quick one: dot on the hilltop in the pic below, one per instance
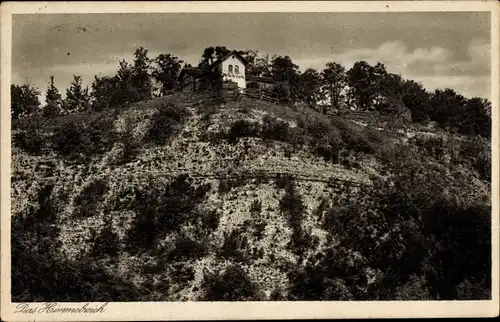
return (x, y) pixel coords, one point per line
(190, 197)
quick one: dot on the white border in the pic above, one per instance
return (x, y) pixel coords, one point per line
(246, 310)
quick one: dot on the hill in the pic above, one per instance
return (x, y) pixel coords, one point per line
(190, 197)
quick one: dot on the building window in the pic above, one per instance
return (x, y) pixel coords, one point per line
(230, 69)
(236, 69)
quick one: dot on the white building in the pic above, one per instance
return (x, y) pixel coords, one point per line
(231, 67)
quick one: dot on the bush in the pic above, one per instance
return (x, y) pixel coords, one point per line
(226, 184)
(274, 129)
(283, 181)
(292, 206)
(476, 152)
(87, 201)
(235, 246)
(185, 249)
(256, 207)
(242, 128)
(323, 279)
(294, 209)
(28, 135)
(106, 243)
(208, 111)
(44, 279)
(40, 273)
(231, 284)
(359, 138)
(409, 234)
(166, 122)
(435, 147)
(210, 220)
(164, 211)
(301, 241)
(131, 144)
(259, 226)
(82, 136)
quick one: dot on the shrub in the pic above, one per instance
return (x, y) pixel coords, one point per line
(359, 138)
(226, 184)
(231, 284)
(283, 181)
(323, 279)
(297, 137)
(235, 246)
(210, 220)
(294, 209)
(301, 241)
(476, 152)
(473, 289)
(28, 135)
(40, 273)
(164, 211)
(292, 206)
(274, 129)
(259, 227)
(185, 249)
(208, 111)
(87, 201)
(82, 136)
(44, 279)
(409, 235)
(130, 143)
(434, 147)
(181, 274)
(242, 128)
(256, 207)
(106, 243)
(277, 295)
(166, 122)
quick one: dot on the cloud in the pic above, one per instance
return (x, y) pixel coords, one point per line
(418, 45)
(469, 86)
(435, 67)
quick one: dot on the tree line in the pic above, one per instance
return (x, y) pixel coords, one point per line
(363, 87)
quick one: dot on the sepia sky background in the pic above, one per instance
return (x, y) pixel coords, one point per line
(439, 49)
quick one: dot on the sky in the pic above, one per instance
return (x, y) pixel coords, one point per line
(437, 49)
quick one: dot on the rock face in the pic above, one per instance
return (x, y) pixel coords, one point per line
(239, 190)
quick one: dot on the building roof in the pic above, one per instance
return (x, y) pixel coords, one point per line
(197, 72)
(232, 53)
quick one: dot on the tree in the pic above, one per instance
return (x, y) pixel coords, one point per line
(417, 99)
(260, 67)
(23, 100)
(105, 92)
(141, 78)
(286, 74)
(77, 98)
(380, 89)
(221, 52)
(362, 85)
(52, 100)
(166, 71)
(447, 107)
(250, 56)
(310, 85)
(476, 118)
(334, 77)
(390, 93)
(210, 54)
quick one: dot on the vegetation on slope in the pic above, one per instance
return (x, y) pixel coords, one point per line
(98, 226)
